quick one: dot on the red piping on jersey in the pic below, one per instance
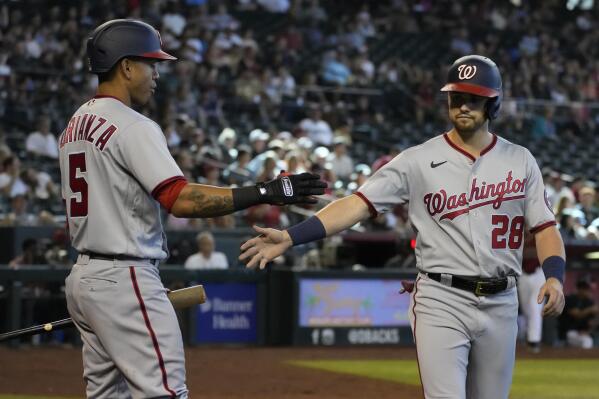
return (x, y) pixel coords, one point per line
(107, 96)
(156, 191)
(454, 214)
(463, 151)
(542, 226)
(142, 306)
(415, 345)
(371, 207)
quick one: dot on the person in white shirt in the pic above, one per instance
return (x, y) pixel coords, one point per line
(206, 257)
(42, 142)
(11, 184)
(317, 129)
(341, 163)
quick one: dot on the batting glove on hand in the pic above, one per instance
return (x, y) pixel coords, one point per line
(291, 189)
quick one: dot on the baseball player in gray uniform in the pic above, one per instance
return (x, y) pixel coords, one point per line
(471, 194)
(116, 173)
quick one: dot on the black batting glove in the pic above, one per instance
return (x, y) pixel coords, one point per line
(288, 189)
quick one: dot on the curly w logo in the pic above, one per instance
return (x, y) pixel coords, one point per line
(466, 72)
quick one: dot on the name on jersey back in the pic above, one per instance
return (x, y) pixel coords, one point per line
(88, 127)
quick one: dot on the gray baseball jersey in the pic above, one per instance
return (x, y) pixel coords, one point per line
(113, 163)
(470, 215)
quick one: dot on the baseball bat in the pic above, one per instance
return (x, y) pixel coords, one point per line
(183, 298)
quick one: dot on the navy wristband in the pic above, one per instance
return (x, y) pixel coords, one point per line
(309, 230)
(554, 266)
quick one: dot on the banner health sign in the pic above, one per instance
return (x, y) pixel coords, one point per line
(229, 314)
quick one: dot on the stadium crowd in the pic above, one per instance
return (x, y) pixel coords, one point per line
(336, 88)
(268, 85)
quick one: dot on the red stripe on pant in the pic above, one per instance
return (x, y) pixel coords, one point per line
(415, 344)
(151, 331)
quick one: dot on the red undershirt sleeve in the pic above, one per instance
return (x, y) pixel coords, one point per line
(168, 193)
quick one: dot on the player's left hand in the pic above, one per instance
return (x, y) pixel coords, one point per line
(553, 290)
(292, 189)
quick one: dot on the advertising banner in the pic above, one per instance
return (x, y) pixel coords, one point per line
(229, 314)
(334, 311)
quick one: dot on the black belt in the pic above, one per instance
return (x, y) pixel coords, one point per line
(95, 255)
(478, 286)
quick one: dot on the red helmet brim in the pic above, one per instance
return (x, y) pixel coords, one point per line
(159, 55)
(470, 88)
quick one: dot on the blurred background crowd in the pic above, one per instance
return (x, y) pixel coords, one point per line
(333, 87)
(337, 88)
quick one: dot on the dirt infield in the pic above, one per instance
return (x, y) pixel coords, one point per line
(230, 372)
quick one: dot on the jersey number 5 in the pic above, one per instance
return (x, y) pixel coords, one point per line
(78, 185)
(516, 231)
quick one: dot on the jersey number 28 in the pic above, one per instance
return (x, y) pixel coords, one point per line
(78, 185)
(500, 239)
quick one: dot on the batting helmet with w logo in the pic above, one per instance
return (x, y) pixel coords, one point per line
(477, 75)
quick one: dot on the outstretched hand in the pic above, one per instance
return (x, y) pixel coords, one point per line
(292, 189)
(264, 248)
(552, 289)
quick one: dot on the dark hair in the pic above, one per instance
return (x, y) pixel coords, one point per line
(107, 76)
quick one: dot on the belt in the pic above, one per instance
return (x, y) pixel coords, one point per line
(111, 257)
(478, 286)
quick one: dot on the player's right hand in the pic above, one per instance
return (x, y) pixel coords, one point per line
(553, 290)
(292, 189)
(264, 248)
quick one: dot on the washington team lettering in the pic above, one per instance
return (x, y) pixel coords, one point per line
(83, 127)
(439, 202)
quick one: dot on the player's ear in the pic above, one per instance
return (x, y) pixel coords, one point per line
(125, 66)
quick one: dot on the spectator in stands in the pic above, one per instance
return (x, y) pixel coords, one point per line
(30, 255)
(21, 215)
(529, 284)
(41, 188)
(578, 319)
(57, 252)
(248, 87)
(258, 139)
(544, 125)
(317, 129)
(226, 142)
(11, 183)
(206, 257)
(587, 205)
(238, 172)
(313, 11)
(341, 163)
(42, 142)
(560, 188)
(571, 224)
(384, 159)
(268, 169)
(335, 69)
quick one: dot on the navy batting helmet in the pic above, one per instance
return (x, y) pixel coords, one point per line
(119, 38)
(477, 75)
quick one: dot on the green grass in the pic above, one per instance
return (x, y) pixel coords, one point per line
(533, 379)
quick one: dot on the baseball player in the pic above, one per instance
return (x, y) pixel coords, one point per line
(529, 283)
(471, 194)
(116, 173)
